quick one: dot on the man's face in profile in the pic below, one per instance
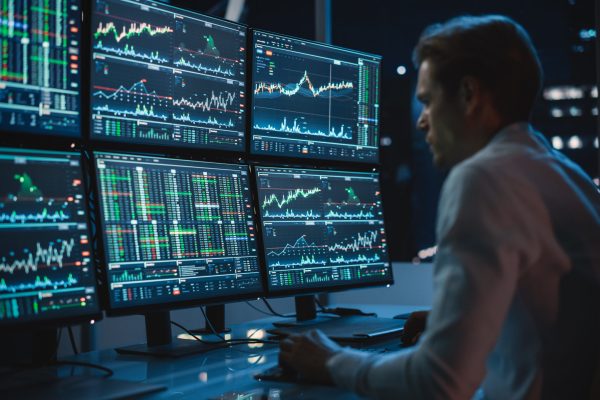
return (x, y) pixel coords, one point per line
(442, 118)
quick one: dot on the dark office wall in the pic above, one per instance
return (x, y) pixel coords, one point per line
(411, 184)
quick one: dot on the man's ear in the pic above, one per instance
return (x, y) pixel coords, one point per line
(470, 94)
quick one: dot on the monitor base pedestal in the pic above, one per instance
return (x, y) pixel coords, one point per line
(177, 348)
(161, 343)
(306, 313)
(214, 318)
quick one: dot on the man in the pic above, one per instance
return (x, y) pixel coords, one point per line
(517, 274)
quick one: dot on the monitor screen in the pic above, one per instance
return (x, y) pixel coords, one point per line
(39, 75)
(162, 75)
(176, 230)
(314, 100)
(322, 229)
(46, 271)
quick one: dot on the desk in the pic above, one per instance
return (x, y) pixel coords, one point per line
(211, 374)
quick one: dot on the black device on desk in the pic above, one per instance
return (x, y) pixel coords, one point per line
(47, 274)
(176, 233)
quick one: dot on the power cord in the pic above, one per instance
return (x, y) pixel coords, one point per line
(223, 341)
(258, 309)
(211, 326)
(321, 307)
(275, 312)
(109, 372)
(72, 339)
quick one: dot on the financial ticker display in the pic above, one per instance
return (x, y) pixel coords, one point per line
(176, 230)
(161, 75)
(39, 69)
(45, 262)
(322, 228)
(314, 100)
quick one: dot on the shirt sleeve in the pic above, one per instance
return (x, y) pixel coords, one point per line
(481, 243)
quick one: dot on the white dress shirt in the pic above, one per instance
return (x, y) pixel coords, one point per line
(516, 276)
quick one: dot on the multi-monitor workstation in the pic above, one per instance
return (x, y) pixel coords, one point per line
(219, 164)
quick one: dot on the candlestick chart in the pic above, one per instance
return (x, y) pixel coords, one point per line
(321, 228)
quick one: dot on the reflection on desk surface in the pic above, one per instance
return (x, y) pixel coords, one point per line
(224, 373)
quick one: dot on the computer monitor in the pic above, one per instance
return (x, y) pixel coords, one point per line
(176, 233)
(166, 76)
(40, 74)
(46, 271)
(313, 100)
(322, 230)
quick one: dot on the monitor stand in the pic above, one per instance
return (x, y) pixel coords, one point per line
(160, 342)
(27, 358)
(215, 317)
(306, 313)
(35, 347)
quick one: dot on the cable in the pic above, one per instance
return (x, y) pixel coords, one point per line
(210, 325)
(224, 341)
(53, 356)
(275, 312)
(72, 339)
(109, 372)
(322, 309)
(186, 330)
(258, 309)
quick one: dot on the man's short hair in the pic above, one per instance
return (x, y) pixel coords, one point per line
(494, 49)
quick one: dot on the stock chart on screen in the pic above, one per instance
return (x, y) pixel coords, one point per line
(39, 70)
(314, 100)
(45, 261)
(176, 230)
(321, 228)
(161, 75)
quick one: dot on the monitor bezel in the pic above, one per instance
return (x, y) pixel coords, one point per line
(324, 162)
(181, 147)
(270, 293)
(52, 137)
(162, 306)
(96, 313)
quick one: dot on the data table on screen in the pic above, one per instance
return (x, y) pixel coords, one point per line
(176, 230)
(40, 69)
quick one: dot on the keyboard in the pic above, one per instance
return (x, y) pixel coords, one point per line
(349, 328)
(280, 374)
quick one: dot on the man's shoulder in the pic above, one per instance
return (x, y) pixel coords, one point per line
(508, 156)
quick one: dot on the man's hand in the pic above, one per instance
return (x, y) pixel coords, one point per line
(414, 327)
(307, 355)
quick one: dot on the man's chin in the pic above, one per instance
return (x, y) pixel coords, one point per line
(439, 161)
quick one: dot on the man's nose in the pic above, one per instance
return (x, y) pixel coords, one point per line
(422, 123)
